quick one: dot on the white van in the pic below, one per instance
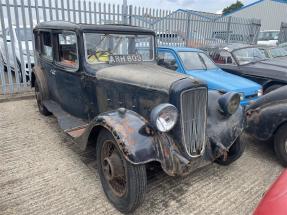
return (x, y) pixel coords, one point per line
(20, 35)
(268, 38)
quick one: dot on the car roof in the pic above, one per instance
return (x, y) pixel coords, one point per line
(180, 49)
(60, 25)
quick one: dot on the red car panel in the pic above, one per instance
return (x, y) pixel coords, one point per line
(274, 201)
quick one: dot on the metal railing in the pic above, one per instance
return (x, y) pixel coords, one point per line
(283, 33)
(173, 28)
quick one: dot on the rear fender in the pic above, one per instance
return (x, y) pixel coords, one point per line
(38, 74)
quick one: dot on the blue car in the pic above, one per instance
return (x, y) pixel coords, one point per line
(196, 63)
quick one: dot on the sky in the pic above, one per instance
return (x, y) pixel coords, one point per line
(214, 6)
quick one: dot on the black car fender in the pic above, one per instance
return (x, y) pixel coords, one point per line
(222, 131)
(267, 114)
(39, 75)
(138, 142)
(263, 121)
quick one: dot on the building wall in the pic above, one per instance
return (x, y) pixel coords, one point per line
(271, 13)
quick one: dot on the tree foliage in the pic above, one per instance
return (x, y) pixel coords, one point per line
(233, 7)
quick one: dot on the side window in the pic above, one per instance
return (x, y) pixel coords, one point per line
(67, 53)
(167, 60)
(37, 41)
(223, 57)
(46, 45)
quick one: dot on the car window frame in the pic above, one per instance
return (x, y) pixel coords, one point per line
(177, 59)
(42, 56)
(232, 56)
(55, 42)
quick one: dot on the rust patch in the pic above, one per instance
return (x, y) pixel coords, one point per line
(76, 133)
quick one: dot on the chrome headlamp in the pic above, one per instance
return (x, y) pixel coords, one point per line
(164, 117)
(229, 103)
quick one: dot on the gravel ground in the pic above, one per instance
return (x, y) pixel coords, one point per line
(43, 172)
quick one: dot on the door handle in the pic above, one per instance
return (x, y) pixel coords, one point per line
(53, 72)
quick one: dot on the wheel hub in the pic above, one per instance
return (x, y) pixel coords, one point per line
(113, 168)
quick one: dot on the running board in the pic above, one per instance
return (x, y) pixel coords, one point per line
(72, 125)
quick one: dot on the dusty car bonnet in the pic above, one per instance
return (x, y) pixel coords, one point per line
(143, 75)
(275, 96)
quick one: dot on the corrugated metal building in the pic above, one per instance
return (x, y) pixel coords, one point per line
(271, 12)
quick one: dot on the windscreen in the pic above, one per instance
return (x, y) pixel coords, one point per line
(248, 55)
(196, 61)
(278, 52)
(118, 48)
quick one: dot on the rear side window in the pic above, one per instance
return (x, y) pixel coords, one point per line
(67, 51)
(167, 60)
(46, 45)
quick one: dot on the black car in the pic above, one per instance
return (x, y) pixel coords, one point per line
(104, 86)
(250, 62)
(267, 120)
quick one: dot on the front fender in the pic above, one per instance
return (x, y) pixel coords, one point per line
(222, 131)
(138, 142)
(263, 121)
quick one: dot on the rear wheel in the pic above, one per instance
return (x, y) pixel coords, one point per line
(123, 183)
(39, 97)
(235, 152)
(280, 144)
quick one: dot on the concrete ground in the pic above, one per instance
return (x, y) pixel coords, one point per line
(42, 172)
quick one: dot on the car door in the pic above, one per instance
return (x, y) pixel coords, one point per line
(168, 60)
(68, 75)
(46, 61)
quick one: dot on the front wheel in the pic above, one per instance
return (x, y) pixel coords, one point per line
(123, 183)
(235, 152)
(280, 144)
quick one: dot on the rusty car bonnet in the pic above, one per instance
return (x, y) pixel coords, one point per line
(143, 75)
(270, 98)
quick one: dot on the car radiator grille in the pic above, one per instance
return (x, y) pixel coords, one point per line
(193, 120)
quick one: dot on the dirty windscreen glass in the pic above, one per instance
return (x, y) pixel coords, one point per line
(196, 61)
(118, 48)
(278, 52)
(248, 55)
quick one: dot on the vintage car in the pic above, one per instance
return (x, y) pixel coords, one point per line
(249, 62)
(196, 63)
(104, 86)
(267, 119)
(274, 201)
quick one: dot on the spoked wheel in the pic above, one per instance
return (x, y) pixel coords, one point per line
(123, 183)
(114, 168)
(39, 98)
